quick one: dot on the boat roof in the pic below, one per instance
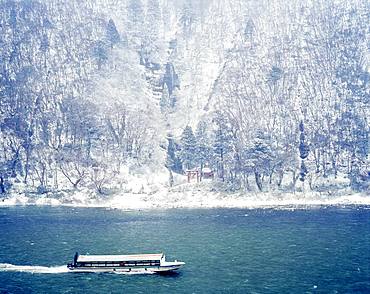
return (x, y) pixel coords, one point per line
(131, 257)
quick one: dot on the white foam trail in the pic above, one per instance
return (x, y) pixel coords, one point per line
(7, 267)
(35, 269)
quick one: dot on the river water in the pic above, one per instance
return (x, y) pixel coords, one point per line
(316, 250)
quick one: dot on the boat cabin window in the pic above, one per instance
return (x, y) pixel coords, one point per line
(130, 263)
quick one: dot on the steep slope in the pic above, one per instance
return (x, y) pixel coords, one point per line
(99, 96)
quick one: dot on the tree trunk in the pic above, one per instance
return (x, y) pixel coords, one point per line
(317, 160)
(294, 179)
(75, 184)
(55, 177)
(171, 181)
(324, 159)
(2, 186)
(258, 180)
(247, 183)
(281, 176)
(26, 166)
(222, 166)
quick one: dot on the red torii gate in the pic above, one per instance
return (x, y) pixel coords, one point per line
(192, 174)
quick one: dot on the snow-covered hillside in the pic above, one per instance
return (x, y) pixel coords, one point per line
(110, 102)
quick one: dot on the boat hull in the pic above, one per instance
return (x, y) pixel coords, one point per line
(167, 267)
(140, 263)
(157, 269)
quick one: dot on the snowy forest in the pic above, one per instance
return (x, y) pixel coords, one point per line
(269, 95)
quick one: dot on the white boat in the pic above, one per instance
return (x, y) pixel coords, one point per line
(123, 263)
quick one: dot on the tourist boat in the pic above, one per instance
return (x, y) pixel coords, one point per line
(123, 263)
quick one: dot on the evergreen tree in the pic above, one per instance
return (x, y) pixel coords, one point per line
(100, 53)
(135, 22)
(149, 44)
(173, 99)
(152, 19)
(304, 150)
(260, 158)
(173, 162)
(203, 149)
(188, 148)
(170, 159)
(44, 47)
(5, 167)
(112, 34)
(250, 30)
(164, 102)
(135, 12)
(222, 143)
(187, 18)
(353, 88)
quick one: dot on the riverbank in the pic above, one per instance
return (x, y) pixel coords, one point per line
(187, 196)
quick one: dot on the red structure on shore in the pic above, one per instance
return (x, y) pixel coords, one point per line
(206, 173)
(193, 174)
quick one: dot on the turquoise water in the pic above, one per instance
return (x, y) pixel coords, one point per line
(324, 250)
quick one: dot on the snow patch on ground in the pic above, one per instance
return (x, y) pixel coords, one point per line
(147, 192)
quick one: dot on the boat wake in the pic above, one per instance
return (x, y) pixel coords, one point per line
(7, 267)
(35, 269)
